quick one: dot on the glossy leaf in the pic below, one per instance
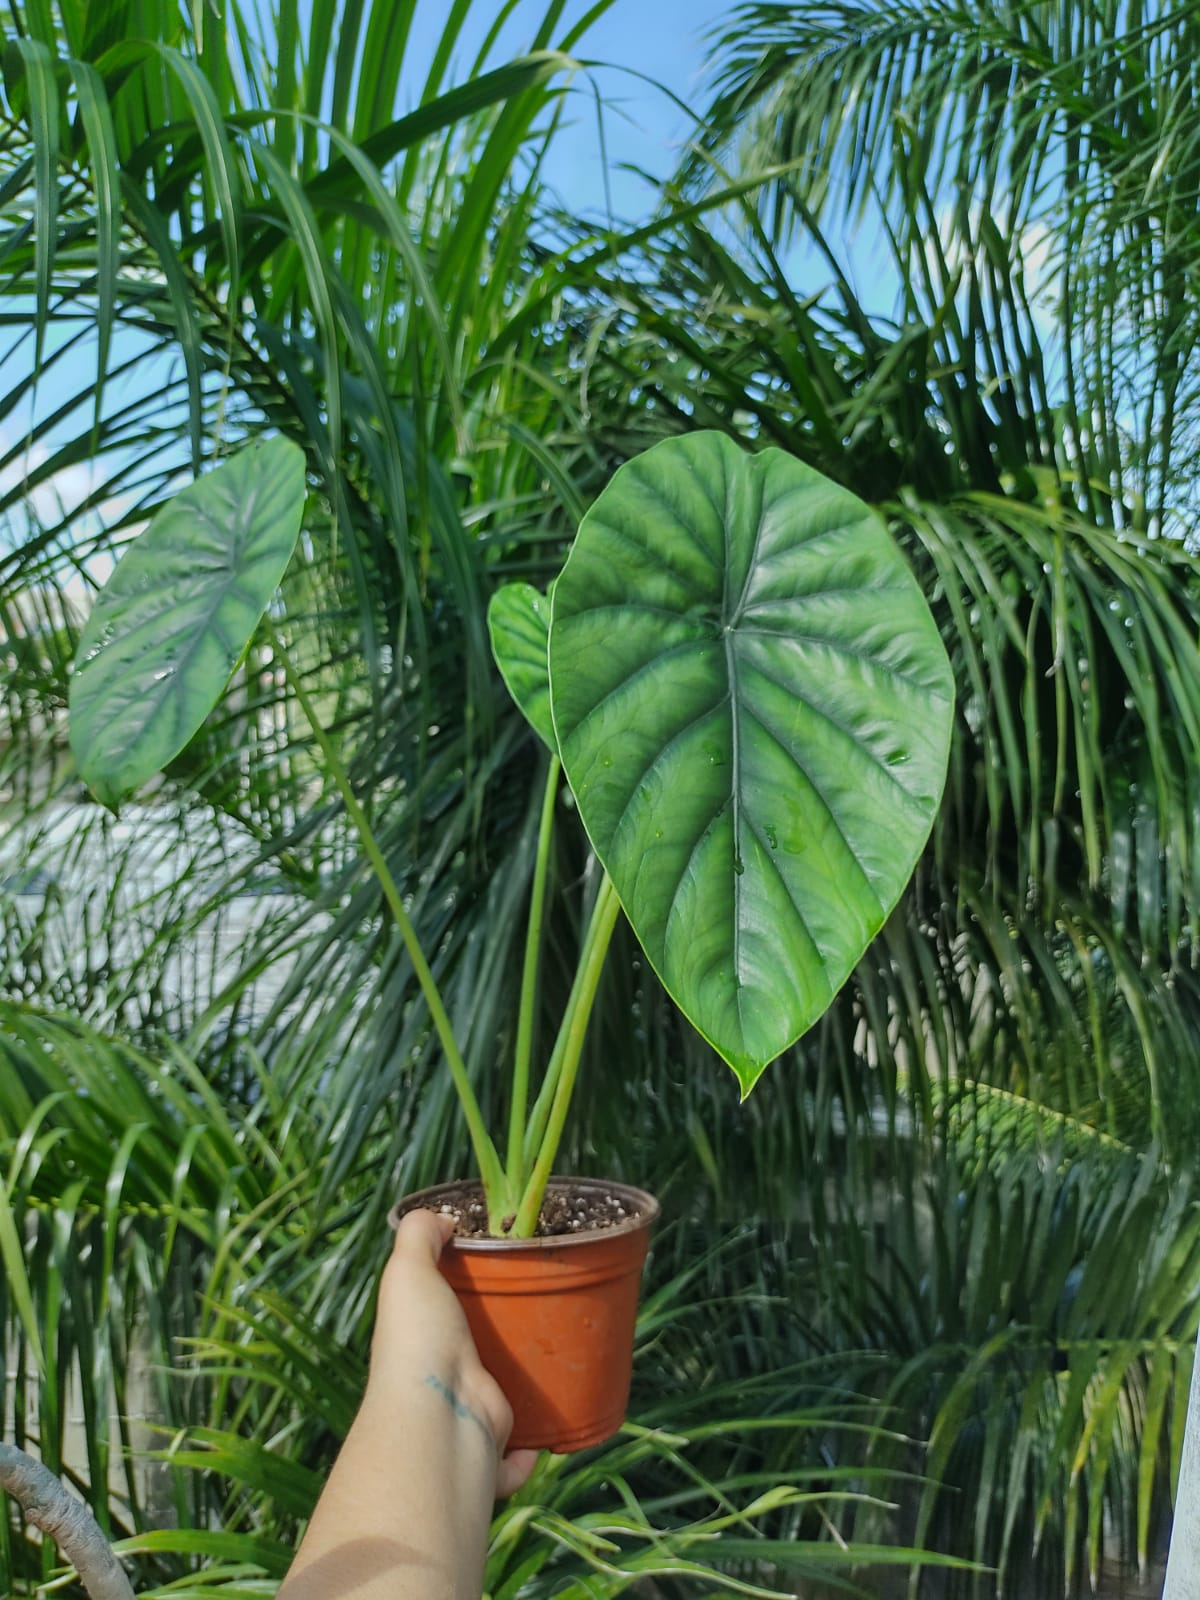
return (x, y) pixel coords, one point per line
(174, 619)
(519, 625)
(753, 708)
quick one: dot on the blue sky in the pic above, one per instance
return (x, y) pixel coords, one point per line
(634, 41)
(660, 39)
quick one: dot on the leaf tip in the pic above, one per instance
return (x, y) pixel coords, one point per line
(748, 1070)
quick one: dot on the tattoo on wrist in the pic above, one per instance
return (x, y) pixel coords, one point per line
(459, 1407)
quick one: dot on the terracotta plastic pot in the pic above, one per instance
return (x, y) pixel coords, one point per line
(553, 1318)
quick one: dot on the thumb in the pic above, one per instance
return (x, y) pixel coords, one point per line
(422, 1235)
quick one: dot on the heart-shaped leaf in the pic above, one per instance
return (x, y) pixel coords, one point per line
(175, 618)
(519, 625)
(753, 708)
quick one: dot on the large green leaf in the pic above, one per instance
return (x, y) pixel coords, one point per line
(753, 709)
(174, 619)
(519, 625)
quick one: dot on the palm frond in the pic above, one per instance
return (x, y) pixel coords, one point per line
(1034, 140)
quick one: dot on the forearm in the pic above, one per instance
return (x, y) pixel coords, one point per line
(406, 1512)
(404, 1515)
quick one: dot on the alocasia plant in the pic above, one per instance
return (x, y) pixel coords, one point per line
(735, 672)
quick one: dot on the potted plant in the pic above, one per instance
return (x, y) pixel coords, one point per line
(737, 675)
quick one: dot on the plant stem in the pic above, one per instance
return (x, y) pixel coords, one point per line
(539, 1118)
(535, 1130)
(486, 1156)
(529, 977)
(565, 1062)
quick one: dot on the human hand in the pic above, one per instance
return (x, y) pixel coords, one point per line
(406, 1510)
(421, 1336)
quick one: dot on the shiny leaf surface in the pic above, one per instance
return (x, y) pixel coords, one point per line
(174, 619)
(753, 708)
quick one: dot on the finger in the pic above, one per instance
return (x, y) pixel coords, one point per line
(513, 1472)
(422, 1235)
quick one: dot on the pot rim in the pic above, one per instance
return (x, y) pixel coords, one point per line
(647, 1214)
